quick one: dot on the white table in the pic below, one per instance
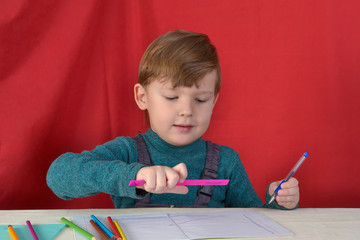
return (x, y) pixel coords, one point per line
(306, 223)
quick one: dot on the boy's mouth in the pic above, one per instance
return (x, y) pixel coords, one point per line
(183, 128)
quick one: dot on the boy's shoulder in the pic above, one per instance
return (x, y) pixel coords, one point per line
(120, 142)
(123, 138)
(226, 151)
(229, 159)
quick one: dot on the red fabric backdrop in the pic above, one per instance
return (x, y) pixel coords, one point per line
(290, 84)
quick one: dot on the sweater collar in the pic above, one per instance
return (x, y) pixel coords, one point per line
(161, 145)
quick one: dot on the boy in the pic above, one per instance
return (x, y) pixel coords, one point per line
(178, 86)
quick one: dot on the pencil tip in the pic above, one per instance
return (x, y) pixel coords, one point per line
(272, 199)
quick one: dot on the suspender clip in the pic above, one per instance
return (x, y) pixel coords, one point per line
(207, 174)
(206, 190)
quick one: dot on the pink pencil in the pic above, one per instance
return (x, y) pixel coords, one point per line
(32, 231)
(190, 182)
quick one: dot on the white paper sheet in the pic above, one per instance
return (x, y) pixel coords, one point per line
(193, 225)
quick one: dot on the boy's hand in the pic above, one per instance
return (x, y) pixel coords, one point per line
(288, 196)
(162, 179)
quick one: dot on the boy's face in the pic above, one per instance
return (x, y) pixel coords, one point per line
(178, 115)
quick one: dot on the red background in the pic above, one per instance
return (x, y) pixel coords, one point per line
(290, 84)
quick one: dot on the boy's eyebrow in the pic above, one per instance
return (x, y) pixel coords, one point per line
(206, 92)
(200, 92)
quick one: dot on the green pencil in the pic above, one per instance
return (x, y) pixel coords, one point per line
(78, 229)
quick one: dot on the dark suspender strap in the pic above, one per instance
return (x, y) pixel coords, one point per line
(210, 172)
(144, 158)
(144, 202)
(143, 154)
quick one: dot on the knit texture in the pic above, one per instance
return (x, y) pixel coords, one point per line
(109, 168)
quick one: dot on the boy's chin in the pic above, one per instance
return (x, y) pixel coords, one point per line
(181, 141)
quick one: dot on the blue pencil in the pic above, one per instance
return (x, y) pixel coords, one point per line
(291, 173)
(102, 226)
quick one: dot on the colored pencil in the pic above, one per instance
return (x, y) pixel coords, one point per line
(120, 230)
(99, 230)
(78, 229)
(115, 230)
(102, 226)
(32, 231)
(188, 182)
(13, 233)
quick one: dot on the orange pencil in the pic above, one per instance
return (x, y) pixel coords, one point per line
(13, 233)
(98, 229)
(115, 230)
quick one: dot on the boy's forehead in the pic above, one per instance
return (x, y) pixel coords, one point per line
(207, 82)
(200, 86)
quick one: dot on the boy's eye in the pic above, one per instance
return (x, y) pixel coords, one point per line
(171, 98)
(200, 100)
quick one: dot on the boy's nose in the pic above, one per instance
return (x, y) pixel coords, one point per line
(185, 109)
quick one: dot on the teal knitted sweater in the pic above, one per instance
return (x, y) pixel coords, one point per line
(109, 168)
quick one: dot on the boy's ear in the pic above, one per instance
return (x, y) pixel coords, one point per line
(140, 96)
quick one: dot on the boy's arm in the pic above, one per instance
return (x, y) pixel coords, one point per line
(100, 170)
(241, 192)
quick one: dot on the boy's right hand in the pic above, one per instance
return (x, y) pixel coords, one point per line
(162, 179)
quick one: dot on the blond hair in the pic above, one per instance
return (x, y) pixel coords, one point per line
(183, 57)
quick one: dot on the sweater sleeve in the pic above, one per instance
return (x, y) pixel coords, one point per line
(241, 192)
(108, 168)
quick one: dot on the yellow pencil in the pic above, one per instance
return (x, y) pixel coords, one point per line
(120, 230)
(13, 233)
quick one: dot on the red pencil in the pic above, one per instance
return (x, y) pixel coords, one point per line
(118, 236)
(102, 234)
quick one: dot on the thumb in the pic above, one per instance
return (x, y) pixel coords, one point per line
(273, 186)
(182, 171)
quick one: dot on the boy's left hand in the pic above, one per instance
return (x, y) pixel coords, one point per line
(288, 196)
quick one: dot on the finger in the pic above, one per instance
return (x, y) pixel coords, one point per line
(178, 190)
(291, 192)
(161, 181)
(150, 183)
(288, 191)
(292, 198)
(288, 201)
(172, 177)
(147, 174)
(292, 182)
(288, 205)
(182, 171)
